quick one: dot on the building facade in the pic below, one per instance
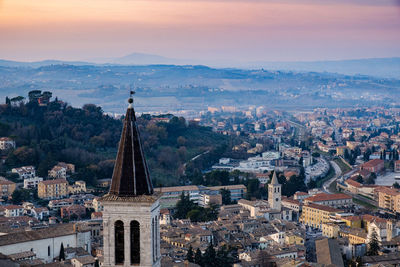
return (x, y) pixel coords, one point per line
(53, 189)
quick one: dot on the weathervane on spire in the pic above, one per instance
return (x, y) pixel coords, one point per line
(130, 100)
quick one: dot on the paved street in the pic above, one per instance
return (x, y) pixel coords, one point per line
(338, 172)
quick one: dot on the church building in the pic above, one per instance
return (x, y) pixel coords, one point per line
(131, 216)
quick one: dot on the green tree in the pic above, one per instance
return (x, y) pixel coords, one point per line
(209, 256)
(183, 206)
(226, 196)
(373, 245)
(198, 257)
(190, 255)
(396, 185)
(195, 215)
(253, 189)
(359, 179)
(62, 253)
(371, 179)
(20, 195)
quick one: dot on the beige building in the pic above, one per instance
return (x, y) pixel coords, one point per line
(330, 230)
(58, 172)
(315, 215)
(210, 198)
(77, 188)
(332, 200)
(53, 189)
(6, 188)
(388, 198)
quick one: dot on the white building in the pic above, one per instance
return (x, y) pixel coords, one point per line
(46, 243)
(25, 172)
(13, 211)
(6, 143)
(32, 182)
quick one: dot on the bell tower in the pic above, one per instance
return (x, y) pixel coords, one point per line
(274, 193)
(131, 215)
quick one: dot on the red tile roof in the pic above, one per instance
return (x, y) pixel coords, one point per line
(373, 163)
(353, 183)
(326, 197)
(56, 181)
(321, 207)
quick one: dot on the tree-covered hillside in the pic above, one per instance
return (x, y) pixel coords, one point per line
(89, 139)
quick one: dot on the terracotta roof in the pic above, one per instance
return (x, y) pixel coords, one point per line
(293, 201)
(177, 188)
(25, 236)
(371, 218)
(13, 207)
(373, 163)
(85, 259)
(56, 181)
(351, 218)
(327, 197)
(131, 175)
(6, 182)
(353, 183)
(321, 207)
(301, 194)
(229, 187)
(388, 190)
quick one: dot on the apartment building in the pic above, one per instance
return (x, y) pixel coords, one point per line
(331, 200)
(315, 215)
(6, 188)
(53, 189)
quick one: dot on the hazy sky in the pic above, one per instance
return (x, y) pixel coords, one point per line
(244, 30)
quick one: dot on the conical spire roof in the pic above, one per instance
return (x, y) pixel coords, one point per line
(274, 180)
(131, 176)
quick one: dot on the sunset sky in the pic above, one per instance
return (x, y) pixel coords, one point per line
(244, 30)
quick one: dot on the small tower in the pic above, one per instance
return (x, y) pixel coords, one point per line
(274, 193)
(131, 208)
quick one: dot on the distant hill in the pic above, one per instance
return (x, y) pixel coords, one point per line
(146, 59)
(36, 64)
(378, 67)
(169, 88)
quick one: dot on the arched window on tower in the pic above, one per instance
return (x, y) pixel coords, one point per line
(156, 237)
(152, 238)
(135, 242)
(119, 242)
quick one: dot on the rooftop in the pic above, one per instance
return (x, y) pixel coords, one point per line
(327, 197)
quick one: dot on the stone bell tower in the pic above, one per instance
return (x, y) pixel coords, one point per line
(274, 193)
(131, 208)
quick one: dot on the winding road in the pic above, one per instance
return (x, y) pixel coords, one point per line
(338, 173)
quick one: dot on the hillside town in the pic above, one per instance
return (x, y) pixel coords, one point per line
(317, 188)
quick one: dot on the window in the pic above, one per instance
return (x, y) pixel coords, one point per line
(135, 242)
(119, 242)
(48, 251)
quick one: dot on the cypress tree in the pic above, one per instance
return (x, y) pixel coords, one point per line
(189, 255)
(198, 258)
(62, 253)
(373, 245)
